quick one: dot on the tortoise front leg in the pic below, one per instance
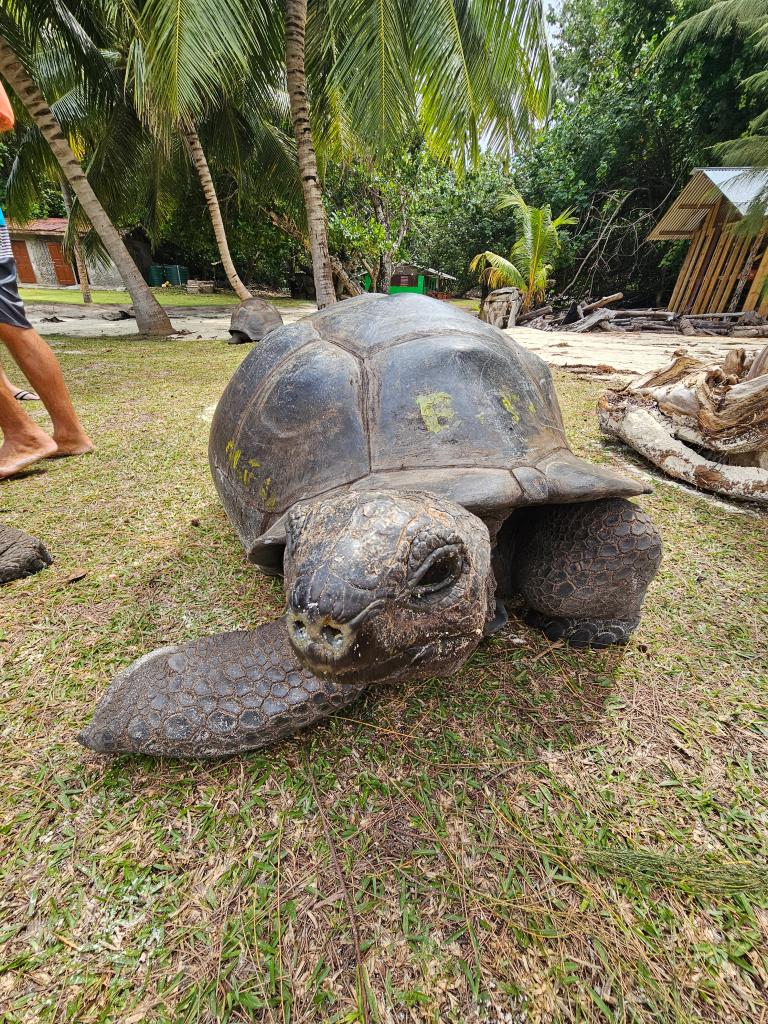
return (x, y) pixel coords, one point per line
(584, 569)
(214, 697)
(20, 554)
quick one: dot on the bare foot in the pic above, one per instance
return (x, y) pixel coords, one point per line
(67, 447)
(20, 454)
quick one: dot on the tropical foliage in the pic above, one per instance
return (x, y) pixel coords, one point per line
(531, 258)
(421, 117)
(631, 121)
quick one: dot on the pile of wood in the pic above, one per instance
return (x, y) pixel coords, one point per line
(596, 316)
(705, 424)
(195, 287)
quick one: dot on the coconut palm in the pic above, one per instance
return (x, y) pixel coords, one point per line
(529, 264)
(726, 18)
(151, 318)
(177, 78)
(382, 69)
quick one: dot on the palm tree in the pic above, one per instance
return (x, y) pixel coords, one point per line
(151, 318)
(295, 30)
(530, 261)
(384, 69)
(177, 78)
(727, 18)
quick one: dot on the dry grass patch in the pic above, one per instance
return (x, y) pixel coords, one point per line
(549, 836)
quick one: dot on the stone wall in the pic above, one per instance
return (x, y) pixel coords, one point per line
(41, 261)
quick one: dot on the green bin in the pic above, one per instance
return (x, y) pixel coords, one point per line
(155, 275)
(176, 274)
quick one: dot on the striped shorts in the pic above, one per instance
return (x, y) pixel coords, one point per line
(11, 306)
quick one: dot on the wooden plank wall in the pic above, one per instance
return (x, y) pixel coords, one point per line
(699, 253)
(711, 269)
(752, 300)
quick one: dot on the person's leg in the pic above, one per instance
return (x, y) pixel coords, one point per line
(43, 372)
(27, 396)
(24, 443)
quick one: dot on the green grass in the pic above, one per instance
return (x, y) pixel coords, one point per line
(165, 296)
(550, 835)
(171, 297)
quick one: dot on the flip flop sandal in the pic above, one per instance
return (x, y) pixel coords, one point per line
(26, 396)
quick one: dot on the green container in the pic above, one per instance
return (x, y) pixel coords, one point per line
(176, 274)
(155, 275)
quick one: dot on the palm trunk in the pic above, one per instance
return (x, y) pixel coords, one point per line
(214, 210)
(151, 318)
(82, 269)
(295, 26)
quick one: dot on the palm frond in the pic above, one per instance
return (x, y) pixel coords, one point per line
(718, 19)
(498, 271)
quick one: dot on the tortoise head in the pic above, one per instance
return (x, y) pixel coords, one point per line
(385, 584)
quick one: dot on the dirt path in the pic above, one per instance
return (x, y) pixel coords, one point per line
(626, 353)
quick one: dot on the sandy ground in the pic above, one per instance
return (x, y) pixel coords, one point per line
(626, 353)
(204, 322)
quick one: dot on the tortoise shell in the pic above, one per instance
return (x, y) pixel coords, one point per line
(253, 319)
(392, 391)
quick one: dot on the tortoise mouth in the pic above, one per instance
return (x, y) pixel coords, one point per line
(369, 668)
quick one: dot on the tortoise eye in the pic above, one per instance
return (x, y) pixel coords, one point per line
(440, 570)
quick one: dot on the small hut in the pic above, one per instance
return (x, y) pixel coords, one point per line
(409, 277)
(724, 271)
(38, 249)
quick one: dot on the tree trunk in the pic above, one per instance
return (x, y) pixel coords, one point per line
(151, 318)
(287, 226)
(385, 273)
(214, 210)
(82, 269)
(295, 26)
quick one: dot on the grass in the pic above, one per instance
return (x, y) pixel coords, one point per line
(165, 296)
(549, 836)
(171, 296)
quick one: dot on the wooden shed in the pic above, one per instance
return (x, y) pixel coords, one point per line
(723, 271)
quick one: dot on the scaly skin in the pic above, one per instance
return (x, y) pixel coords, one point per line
(20, 554)
(380, 587)
(215, 697)
(584, 569)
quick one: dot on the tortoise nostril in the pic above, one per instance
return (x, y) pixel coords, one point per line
(299, 630)
(333, 637)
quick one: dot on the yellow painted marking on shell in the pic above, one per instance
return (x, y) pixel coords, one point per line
(266, 496)
(247, 475)
(509, 401)
(437, 411)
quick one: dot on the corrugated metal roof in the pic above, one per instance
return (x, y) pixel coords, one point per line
(42, 226)
(740, 186)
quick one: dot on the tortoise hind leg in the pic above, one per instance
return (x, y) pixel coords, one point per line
(584, 569)
(215, 697)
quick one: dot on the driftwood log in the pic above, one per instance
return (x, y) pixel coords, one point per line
(704, 424)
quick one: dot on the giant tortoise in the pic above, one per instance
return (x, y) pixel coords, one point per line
(252, 320)
(402, 465)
